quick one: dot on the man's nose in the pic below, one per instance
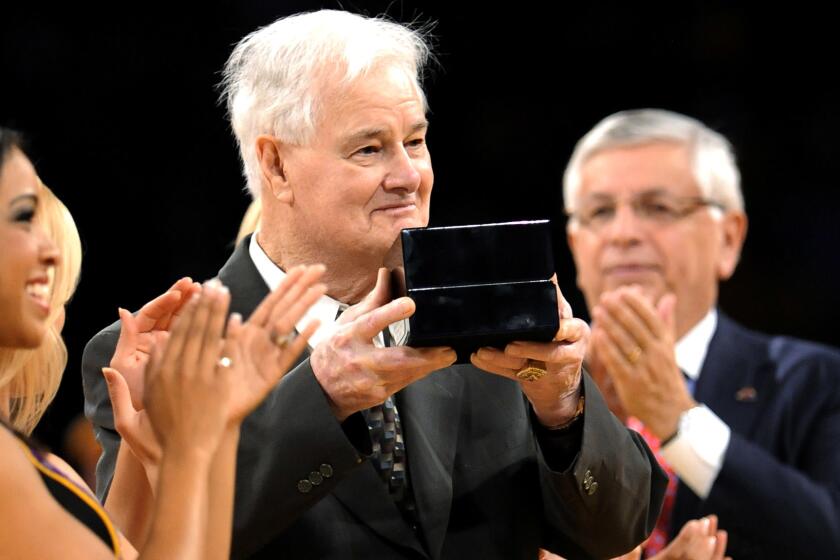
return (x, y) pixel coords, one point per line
(626, 227)
(402, 172)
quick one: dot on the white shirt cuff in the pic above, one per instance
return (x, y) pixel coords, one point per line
(696, 452)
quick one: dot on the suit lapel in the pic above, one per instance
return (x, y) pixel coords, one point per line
(247, 288)
(734, 381)
(362, 492)
(736, 385)
(428, 409)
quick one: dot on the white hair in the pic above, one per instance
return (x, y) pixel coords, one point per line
(272, 78)
(712, 158)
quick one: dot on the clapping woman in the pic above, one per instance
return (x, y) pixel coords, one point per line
(199, 383)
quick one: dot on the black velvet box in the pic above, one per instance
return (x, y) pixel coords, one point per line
(479, 285)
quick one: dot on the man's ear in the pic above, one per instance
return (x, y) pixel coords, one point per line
(570, 237)
(734, 231)
(271, 155)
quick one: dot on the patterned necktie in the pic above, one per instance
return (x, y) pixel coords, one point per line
(659, 537)
(389, 452)
(388, 447)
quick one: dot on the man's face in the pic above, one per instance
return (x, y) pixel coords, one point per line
(686, 254)
(367, 172)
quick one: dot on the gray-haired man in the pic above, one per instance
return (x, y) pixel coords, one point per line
(331, 123)
(749, 424)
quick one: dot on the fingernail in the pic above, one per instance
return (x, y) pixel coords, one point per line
(107, 375)
(236, 316)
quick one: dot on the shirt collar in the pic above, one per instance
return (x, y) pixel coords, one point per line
(325, 309)
(691, 349)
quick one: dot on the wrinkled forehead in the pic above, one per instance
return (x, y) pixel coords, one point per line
(332, 91)
(623, 171)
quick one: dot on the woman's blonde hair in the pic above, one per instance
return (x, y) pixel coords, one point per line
(30, 377)
(250, 221)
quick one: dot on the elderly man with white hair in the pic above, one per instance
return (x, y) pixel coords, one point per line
(368, 449)
(747, 425)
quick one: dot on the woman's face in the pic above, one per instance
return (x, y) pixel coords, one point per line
(26, 257)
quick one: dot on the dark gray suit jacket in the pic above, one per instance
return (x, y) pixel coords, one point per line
(478, 471)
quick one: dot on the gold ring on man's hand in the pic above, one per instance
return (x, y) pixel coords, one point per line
(634, 355)
(532, 371)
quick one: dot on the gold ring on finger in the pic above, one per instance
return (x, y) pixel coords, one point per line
(532, 371)
(281, 341)
(634, 354)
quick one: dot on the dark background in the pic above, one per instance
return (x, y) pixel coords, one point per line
(121, 109)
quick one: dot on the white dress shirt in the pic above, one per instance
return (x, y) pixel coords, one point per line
(325, 309)
(696, 452)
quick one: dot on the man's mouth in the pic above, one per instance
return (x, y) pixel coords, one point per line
(398, 208)
(629, 269)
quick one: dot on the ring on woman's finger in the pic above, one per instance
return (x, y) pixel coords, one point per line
(634, 354)
(281, 340)
(225, 362)
(532, 371)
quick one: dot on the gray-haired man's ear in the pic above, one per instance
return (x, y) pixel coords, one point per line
(734, 232)
(275, 181)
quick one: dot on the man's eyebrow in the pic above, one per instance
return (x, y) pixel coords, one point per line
(418, 126)
(652, 191)
(375, 131)
(365, 134)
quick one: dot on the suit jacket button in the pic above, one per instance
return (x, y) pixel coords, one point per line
(315, 478)
(304, 486)
(326, 470)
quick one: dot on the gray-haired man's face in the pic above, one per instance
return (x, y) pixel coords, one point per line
(367, 172)
(647, 225)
